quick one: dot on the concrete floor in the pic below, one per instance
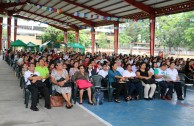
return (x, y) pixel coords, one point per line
(14, 113)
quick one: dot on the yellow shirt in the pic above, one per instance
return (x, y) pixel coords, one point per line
(42, 70)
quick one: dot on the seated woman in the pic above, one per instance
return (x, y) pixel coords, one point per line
(73, 69)
(189, 69)
(91, 70)
(145, 76)
(56, 75)
(154, 66)
(82, 80)
(132, 81)
(117, 81)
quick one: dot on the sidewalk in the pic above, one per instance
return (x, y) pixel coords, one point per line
(13, 111)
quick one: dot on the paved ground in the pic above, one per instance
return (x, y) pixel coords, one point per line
(13, 111)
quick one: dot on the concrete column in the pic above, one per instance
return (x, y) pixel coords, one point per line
(152, 34)
(1, 31)
(8, 31)
(65, 36)
(116, 36)
(93, 39)
(77, 35)
(15, 28)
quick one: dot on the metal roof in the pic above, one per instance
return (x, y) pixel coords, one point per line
(66, 20)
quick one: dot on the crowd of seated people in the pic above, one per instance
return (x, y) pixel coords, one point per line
(129, 75)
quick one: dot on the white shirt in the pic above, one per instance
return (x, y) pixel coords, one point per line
(158, 64)
(103, 73)
(159, 71)
(130, 61)
(134, 68)
(120, 69)
(28, 74)
(126, 73)
(152, 71)
(172, 74)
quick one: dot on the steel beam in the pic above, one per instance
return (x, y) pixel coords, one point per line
(89, 8)
(141, 6)
(7, 5)
(88, 22)
(72, 26)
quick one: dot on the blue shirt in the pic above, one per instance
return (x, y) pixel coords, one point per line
(112, 74)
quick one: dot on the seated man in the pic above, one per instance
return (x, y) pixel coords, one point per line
(44, 73)
(104, 72)
(34, 83)
(161, 77)
(175, 80)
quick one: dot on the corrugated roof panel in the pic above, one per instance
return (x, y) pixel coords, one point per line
(46, 13)
(52, 2)
(27, 7)
(93, 2)
(33, 9)
(52, 15)
(106, 4)
(74, 10)
(115, 6)
(81, 1)
(130, 12)
(60, 5)
(39, 11)
(59, 16)
(152, 2)
(122, 9)
(66, 8)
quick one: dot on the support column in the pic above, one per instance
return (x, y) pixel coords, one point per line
(77, 35)
(116, 35)
(15, 28)
(152, 34)
(1, 31)
(93, 39)
(8, 31)
(65, 36)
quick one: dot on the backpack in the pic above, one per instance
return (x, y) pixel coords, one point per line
(98, 97)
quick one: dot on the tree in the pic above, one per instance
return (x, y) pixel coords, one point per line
(51, 34)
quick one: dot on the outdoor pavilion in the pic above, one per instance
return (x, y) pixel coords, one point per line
(65, 20)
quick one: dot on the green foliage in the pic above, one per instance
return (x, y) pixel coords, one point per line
(84, 38)
(102, 40)
(51, 34)
(175, 31)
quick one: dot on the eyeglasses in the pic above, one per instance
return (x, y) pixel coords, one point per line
(81, 68)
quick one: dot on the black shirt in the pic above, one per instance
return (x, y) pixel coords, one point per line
(143, 73)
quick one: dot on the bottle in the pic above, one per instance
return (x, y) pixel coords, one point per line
(98, 101)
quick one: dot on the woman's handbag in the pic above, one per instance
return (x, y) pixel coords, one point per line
(67, 84)
(83, 84)
(135, 80)
(149, 81)
(56, 101)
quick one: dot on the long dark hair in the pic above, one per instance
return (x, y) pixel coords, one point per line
(111, 65)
